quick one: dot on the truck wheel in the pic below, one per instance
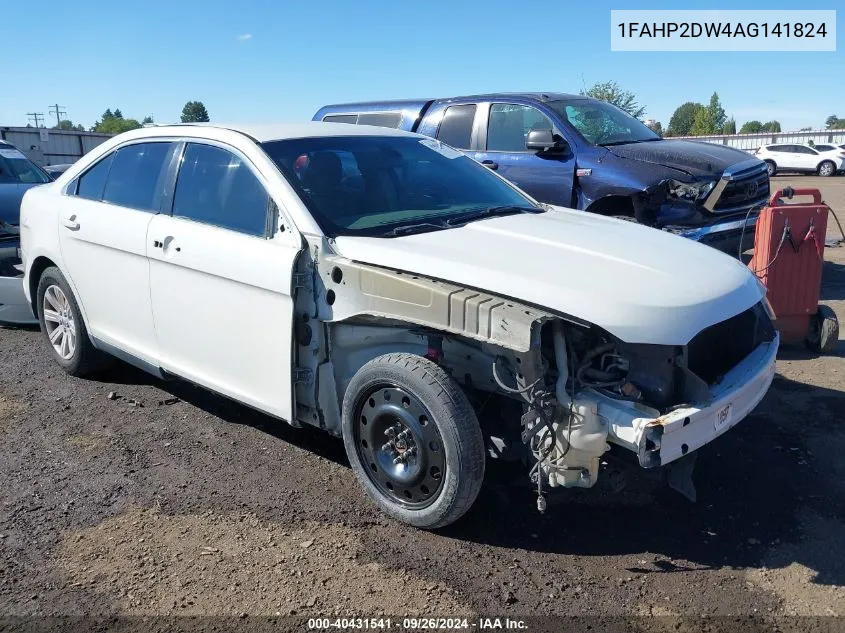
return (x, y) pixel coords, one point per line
(824, 331)
(827, 168)
(771, 168)
(413, 440)
(63, 328)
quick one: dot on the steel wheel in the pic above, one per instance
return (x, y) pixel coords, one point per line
(400, 446)
(59, 322)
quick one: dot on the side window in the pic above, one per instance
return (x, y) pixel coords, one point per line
(93, 181)
(216, 187)
(136, 176)
(381, 119)
(340, 118)
(509, 125)
(456, 127)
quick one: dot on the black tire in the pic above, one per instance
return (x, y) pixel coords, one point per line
(398, 389)
(826, 168)
(824, 331)
(771, 167)
(86, 359)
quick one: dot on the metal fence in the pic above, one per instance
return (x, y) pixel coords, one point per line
(750, 142)
(52, 147)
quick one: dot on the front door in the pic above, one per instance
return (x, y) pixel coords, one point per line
(221, 282)
(103, 236)
(546, 177)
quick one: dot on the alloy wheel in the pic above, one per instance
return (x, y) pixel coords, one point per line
(59, 322)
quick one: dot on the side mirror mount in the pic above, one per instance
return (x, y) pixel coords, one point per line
(544, 141)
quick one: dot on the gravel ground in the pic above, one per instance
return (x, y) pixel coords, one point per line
(148, 505)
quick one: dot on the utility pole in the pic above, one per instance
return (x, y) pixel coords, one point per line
(36, 117)
(59, 111)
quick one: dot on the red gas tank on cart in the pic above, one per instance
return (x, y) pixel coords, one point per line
(788, 258)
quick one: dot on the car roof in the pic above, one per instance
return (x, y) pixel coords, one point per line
(262, 133)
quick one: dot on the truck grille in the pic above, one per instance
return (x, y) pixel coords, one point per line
(719, 348)
(746, 187)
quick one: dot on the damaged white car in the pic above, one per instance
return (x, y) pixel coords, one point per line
(389, 290)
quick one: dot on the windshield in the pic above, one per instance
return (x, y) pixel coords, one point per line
(17, 168)
(374, 185)
(601, 123)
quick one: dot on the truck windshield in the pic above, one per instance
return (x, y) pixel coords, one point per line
(601, 123)
(18, 169)
(390, 185)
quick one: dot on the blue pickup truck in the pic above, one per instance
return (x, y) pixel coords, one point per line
(577, 152)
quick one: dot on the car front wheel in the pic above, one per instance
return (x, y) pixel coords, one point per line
(62, 326)
(413, 440)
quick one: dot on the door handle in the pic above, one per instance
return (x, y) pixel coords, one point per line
(490, 164)
(71, 223)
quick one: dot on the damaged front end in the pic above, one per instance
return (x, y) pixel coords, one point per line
(660, 402)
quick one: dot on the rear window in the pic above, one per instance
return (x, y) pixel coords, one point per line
(341, 118)
(381, 119)
(824, 148)
(16, 168)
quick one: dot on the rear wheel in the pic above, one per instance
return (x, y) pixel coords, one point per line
(63, 328)
(824, 331)
(827, 168)
(771, 168)
(413, 440)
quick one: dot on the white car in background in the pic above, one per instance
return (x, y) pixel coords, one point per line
(386, 288)
(802, 158)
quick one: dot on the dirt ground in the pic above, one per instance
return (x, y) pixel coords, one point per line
(142, 505)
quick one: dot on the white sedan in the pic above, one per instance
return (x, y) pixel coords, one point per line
(802, 158)
(387, 289)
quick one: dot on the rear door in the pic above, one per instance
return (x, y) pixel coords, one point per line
(103, 235)
(221, 280)
(503, 129)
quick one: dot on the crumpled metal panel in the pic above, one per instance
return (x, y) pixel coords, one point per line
(351, 289)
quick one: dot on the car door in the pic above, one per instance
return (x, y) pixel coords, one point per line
(546, 177)
(808, 158)
(220, 281)
(783, 156)
(103, 236)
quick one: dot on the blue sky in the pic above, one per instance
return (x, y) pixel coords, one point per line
(255, 61)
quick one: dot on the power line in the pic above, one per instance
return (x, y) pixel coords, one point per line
(36, 117)
(59, 111)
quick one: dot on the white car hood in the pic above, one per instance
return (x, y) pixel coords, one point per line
(640, 284)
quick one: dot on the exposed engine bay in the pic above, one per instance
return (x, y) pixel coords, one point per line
(564, 389)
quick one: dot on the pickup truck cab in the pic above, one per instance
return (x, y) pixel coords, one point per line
(351, 278)
(581, 153)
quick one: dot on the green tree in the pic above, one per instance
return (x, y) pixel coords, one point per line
(831, 121)
(771, 126)
(751, 127)
(115, 125)
(194, 112)
(67, 124)
(682, 119)
(656, 127)
(147, 119)
(710, 119)
(118, 114)
(612, 93)
(729, 127)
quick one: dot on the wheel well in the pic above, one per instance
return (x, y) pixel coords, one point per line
(822, 162)
(38, 267)
(613, 205)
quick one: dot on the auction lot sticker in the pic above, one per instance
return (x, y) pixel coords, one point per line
(683, 30)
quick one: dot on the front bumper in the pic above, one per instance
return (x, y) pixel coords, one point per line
(662, 439)
(14, 307)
